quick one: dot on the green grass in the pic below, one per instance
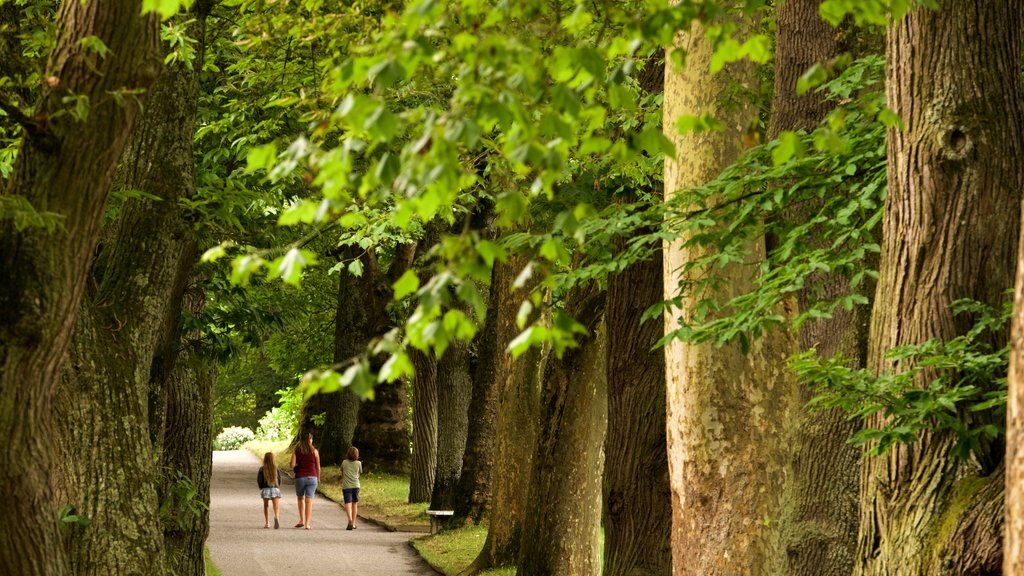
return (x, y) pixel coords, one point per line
(451, 551)
(211, 568)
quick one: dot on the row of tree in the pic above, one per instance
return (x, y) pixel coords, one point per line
(487, 182)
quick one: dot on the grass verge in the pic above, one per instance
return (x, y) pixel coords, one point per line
(211, 568)
(451, 551)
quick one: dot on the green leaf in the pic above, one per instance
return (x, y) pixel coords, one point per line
(261, 158)
(407, 284)
(789, 145)
(165, 8)
(292, 264)
(398, 365)
(355, 268)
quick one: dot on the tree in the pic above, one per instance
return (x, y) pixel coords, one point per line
(955, 181)
(517, 405)
(730, 433)
(561, 526)
(454, 393)
(424, 427)
(65, 166)
(822, 532)
(109, 399)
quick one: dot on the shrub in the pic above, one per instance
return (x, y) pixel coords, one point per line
(282, 422)
(232, 438)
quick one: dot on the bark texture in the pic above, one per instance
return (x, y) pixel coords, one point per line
(952, 217)
(187, 463)
(517, 383)
(562, 527)
(424, 427)
(730, 415)
(473, 494)
(351, 333)
(109, 401)
(821, 526)
(64, 166)
(637, 496)
(454, 393)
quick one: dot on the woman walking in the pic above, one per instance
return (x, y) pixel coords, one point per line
(351, 468)
(306, 464)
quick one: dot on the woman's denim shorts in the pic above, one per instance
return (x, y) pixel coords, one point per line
(305, 486)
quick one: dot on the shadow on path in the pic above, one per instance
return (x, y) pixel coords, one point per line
(240, 546)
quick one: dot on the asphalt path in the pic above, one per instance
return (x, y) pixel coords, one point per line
(240, 546)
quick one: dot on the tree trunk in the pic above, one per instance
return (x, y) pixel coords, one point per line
(517, 383)
(64, 166)
(454, 392)
(821, 527)
(952, 217)
(424, 427)
(187, 462)
(341, 409)
(473, 495)
(562, 527)
(730, 415)
(108, 401)
(637, 496)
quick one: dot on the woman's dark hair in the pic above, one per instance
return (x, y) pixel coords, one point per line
(306, 444)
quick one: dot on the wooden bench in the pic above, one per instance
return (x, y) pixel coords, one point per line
(437, 517)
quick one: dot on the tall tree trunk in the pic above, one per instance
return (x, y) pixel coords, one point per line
(473, 494)
(454, 392)
(821, 527)
(64, 166)
(562, 527)
(108, 402)
(187, 462)
(952, 218)
(517, 383)
(637, 496)
(341, 409)
(730, 414)
(382, 432)
(424, 427)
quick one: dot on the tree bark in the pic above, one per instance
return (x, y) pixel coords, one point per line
(821, 528)
(562, 526)
(951, 224)
(730, 415)
(517, 383)
(187, 463)
(424, 427)
(454, 392)
(637, 496)
(473, 494)
(351, 333)
(109, 401)
(64, 166)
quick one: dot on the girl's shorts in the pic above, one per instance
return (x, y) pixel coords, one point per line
(351, 495)
(270, 493)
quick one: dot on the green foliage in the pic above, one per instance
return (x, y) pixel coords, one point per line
(232, 438)
(818, 197)
(24, 215)
(281, 423)
(958, 386)
(182, 505)
(68, 515)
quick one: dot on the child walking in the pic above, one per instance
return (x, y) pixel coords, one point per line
(269, 480)
(351, 468)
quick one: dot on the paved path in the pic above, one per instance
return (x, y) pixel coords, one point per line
(240, 546)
